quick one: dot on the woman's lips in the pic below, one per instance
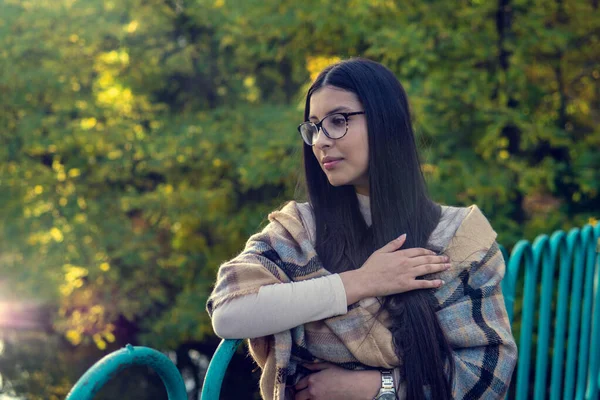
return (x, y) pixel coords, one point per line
(332, 164)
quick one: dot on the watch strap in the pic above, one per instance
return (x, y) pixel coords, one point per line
(387, 379)
(387, 384)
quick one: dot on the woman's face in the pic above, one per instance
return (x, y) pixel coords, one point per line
(352, 149)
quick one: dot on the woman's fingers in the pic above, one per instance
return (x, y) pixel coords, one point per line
(302, 383)
(302, 395)
(415, 252)
(425, 284)
(430, 269)
(423, 260)
(319, 366)
(395, 270)
(394, 244)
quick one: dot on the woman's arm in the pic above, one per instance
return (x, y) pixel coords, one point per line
(279, 307)
(329, 381)
(473, 315)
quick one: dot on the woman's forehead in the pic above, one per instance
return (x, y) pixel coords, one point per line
(329, 98)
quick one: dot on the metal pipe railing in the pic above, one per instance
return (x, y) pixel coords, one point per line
(104, 370)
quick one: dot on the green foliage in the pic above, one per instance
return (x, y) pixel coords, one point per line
(143, 142)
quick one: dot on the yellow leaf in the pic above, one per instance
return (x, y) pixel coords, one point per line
(132, 27)
(56, 234)
(249, 81)
(88, 123)
(97, 309)
(100, 343)
(429, 168)
(316, 64)
(110, 338)
(113, 155)
(74, 337)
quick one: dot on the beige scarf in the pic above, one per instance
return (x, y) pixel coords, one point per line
(282, 253)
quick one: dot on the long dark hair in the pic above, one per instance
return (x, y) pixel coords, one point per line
(399, 204)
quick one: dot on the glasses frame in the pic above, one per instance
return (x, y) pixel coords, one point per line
(319, 125)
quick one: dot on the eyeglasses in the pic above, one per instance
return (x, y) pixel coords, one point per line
(334, 126)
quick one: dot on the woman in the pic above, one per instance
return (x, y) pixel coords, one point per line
(369, 290)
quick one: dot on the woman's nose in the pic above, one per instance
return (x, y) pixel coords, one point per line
(322, 140)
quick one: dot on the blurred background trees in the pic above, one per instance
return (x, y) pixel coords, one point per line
(143, 141)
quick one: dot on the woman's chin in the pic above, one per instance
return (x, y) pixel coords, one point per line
(337, 178)
(338, 182)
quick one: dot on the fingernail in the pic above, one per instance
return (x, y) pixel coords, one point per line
(443, 282)
(402, 236)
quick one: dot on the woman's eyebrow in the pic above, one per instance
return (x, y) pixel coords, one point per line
(337, 109)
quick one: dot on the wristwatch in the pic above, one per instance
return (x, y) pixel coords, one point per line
(388, 390)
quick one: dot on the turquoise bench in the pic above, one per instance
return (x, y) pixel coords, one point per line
(557, 277)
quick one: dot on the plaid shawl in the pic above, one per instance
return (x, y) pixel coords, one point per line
(471, 310)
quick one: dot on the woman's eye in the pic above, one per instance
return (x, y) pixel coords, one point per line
(338, 121)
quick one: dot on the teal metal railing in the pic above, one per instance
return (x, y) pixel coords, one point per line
(565, 331)
(104, 370)
(575, 303)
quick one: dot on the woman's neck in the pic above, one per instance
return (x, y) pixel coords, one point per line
(364, 203)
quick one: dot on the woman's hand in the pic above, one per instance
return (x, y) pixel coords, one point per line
(331, 382)
(392, 271)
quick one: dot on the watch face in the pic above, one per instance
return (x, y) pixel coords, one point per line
(386, 396)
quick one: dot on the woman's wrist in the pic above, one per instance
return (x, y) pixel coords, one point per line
(354, 285)
(373, 384)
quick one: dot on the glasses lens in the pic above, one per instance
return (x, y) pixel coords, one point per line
(308, 131)
(335, 125)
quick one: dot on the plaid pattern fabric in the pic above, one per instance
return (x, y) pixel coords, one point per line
(471, 311)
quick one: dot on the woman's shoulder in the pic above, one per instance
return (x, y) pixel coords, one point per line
(301, 210)
(289, 208)
(465, 230)
(303, 207)
(472, 219)
(295, 216)
(307, 217)
(450, 219)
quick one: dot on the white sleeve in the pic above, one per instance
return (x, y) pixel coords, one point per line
(279, 307)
